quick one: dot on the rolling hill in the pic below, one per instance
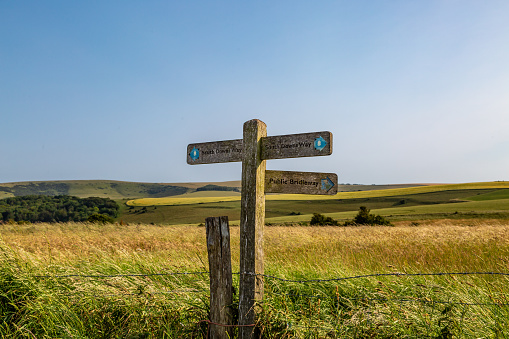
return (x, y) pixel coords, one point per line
(134, 190)
(191, 203)
(470, 200)
(104, 188)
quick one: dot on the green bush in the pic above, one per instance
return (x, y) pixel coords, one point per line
(365, 218)
(97, 218)
(322, 220)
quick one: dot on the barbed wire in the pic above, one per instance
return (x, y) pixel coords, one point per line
(118, 275)
(397, 274)
(429, 301)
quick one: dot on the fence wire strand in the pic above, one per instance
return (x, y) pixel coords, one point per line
(396, 274)
(132, 275)
(375, 275)
(402, 300)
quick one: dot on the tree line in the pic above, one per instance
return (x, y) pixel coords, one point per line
(363, 217)
(217, 188)
(60, 208)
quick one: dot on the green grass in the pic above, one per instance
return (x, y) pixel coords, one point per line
(117, 190)
(49, 286)
(495, 195)
(4, 195)
(178, 215)
(283, 210)
(485, 209)
(184, 200)
(101, 188)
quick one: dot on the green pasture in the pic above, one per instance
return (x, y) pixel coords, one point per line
(494, 195)
(4, 195)
(498, 209)
(451, 201)
(189, 200)
(103, 188)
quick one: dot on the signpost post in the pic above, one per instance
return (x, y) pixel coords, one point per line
(253, 150)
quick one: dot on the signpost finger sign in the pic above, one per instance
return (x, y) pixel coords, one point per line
(300, 182)
(253, 150)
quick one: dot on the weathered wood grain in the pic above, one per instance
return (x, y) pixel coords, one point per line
(252, 218)
(220, 268)
(273, 147)
(301, 182)
(253, 150)
(297, 145)
(214, 152)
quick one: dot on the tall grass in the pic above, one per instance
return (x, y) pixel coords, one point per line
(49, 284)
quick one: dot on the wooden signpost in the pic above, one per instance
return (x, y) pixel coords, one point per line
(253, 150)
(300, 182)
(275, 147)
(214, 152)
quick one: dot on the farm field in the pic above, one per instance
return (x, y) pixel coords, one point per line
(436, 201)
(103, 188)
(375, 193)
(133, 190)
(86, 280)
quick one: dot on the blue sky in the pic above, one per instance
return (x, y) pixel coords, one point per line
(413, 91)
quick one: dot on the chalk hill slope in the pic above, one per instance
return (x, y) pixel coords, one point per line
(134, 190)
(107, 189)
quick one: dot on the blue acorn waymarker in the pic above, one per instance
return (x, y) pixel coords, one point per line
(195, 154)
(253, 150)
(320, 143)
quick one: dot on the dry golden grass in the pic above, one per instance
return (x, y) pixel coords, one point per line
(431, 246)
(81, 306)
(76, 244)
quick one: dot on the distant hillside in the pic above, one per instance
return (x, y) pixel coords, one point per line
(108, 189)
(136, 190)
(360, 187)
(488, 200)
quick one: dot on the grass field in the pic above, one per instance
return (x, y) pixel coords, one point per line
(188, 200)
(80, 280)
(103, 188)
(451, 201)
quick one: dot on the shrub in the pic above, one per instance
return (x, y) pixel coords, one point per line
(97, 218)
(365, 218)
(322, 220)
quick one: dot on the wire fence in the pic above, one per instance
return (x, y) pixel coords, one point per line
(397, 274)
(360, 293)
(118, 275)
(294, 281)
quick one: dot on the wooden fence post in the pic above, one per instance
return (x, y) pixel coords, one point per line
(252, 219)
(220, 268)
